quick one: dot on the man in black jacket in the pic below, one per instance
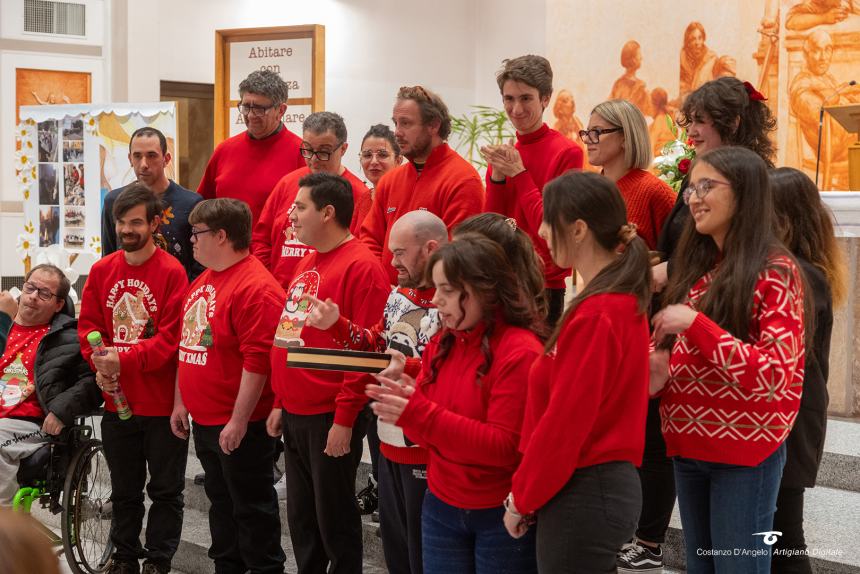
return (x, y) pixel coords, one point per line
(44, 380)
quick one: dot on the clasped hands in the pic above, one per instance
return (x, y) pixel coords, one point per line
(505, 159)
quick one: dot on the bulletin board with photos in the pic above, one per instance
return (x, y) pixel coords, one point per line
(297, 53)
(70, 157)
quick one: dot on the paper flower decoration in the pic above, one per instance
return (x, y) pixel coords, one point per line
(27, 176)
(25, 245)
(23, 132)
(23, 159)
(91, 124)
(95, 245)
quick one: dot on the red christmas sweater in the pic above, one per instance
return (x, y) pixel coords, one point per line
(274, 242)
(471, 427)
(137, 309)
(649, 201)
(246, 168)
(409, 322)
(228, 320)
(546, 154)
(351, 276)
(19, 398)
(447, 186)
(734, 401)
(588, 398)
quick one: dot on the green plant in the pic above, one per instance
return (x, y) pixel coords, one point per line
(485, 125)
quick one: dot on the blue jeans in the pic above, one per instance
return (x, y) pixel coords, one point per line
(457, 541)
(722, 508)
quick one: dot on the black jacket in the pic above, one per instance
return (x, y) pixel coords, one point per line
(805, 444)
(65, 384)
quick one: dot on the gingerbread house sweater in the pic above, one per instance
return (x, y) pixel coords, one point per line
(228, 321)
(734, 401)
(137, 309)
(446, 185)
(546, 154)
(351, 276)
(274, 242)
(245, 168)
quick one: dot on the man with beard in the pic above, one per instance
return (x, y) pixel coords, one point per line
(148, 156)
(133, 298)
(697, 60)
(435, 178)
(409, 321)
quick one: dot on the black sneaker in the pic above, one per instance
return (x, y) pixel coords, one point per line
(152, 568)
(368, 497)
(123, 567)
(637, 557)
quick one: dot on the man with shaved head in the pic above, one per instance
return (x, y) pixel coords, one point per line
(409, 321)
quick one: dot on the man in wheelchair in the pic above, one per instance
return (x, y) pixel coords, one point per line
(44, 380)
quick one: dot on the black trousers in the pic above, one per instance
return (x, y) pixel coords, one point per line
(372, 443)
(243, 516)
(658, 481)
(555, 302)
(401, 494)
(325, 524)
(582, 528)
(789, 520)
(130, 446)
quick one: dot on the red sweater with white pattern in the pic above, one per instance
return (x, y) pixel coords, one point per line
(734, 401)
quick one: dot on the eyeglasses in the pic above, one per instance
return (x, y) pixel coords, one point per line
(380, 154)
(196, 232)
(702, 189)
(256, 111)
(593, 135)
(322, 155)
(44, 294)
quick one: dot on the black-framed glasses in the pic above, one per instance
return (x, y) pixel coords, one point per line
(196, 232)
(323, 155)
(381, 154)
(252, 110)
(593, 135)
(44, 294)
(701, 189)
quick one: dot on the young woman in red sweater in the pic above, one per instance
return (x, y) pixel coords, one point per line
(617, 140)
(467, 408)
(585, 417)
(735, 375)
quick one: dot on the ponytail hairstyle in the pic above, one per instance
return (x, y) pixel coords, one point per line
(481, 263)
(596, 201)
(805, 225)
(749, 245)
(519, 249)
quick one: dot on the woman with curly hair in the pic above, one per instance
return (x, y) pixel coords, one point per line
(467, 408)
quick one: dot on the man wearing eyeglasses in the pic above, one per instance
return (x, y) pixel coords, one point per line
(149, 158)
(44, 380)
(248, 165)
(274, 241)
(133, 298)
(517, 173)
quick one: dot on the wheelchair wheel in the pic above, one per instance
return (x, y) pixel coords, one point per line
(86, 518)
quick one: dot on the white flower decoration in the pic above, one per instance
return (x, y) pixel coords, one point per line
(91, 124)
(25, 245)
(26, 177)
(24, 131)
(23, 159)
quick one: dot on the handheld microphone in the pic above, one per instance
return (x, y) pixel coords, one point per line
(821, 122)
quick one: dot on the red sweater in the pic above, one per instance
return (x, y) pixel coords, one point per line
(546, 154)
(233, 313)
(588, 398)
(17, 374)
(137, 309)
(274, 242)
(448, 186)
(732, 401)
(351, 276)
(649, 201)
(245, 168)
(471, 427)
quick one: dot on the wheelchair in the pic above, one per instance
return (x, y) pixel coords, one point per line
(69, 475)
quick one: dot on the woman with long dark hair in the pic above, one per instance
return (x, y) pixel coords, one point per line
(585, 416)
(467, 408)
(804, 224)
(736, 311)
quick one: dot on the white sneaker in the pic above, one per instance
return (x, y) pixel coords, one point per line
(281, 487)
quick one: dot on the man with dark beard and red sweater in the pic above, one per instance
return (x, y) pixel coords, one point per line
(435, 178)
(248, 165)
(539, 155)
(321, 412)
(133, 298)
